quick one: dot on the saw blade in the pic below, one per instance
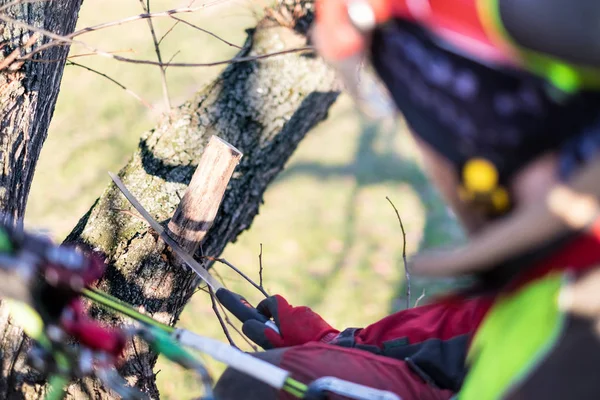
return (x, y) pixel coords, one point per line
(184, 255)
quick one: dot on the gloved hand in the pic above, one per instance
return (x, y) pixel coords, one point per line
(297, 325)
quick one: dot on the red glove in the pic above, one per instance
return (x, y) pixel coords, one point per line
(297, 325)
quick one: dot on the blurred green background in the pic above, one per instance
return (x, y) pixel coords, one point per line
(330, 238)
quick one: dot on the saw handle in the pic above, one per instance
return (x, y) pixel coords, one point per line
(241, 308)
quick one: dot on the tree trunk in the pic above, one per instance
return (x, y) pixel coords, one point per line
(28, 93)
(264, 108)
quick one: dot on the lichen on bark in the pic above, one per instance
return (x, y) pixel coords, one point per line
(264, 108)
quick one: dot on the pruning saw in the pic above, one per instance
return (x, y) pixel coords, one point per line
(235, 303)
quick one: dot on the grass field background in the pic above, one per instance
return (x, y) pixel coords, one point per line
(330, 238)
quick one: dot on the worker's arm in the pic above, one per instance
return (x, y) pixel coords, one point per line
(433, 339)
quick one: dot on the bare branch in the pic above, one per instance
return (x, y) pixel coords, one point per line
(406, 271)
(167, 32)
(173, 26)
(63, 40)
(129, 91)
(234, 60)
(235, 328)
(205, 31)
(220, 318)
(171, 59)
(421, 297)
(71, 56)
(163, 74)
(146, 15)
(17, 52)
(224, 261)
(260, 268)
(227, 320)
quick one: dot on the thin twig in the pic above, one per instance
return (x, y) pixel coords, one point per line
(224, 261)
(171, 59)
(235, 328)
(220, 318)
(421, 297)
(406, 271)
(260, 268)
(66, 39)
(173, 26)
(167, 32)
(159, 14)
(228, 321)
(94, 54)
(183, 21)
(220, 277)
(129, 91)
(163, 74)
(71, 56)
(137, 357)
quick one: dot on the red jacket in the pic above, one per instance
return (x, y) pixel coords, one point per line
(434, 339)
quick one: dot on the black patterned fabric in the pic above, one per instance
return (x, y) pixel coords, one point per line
(466, 109)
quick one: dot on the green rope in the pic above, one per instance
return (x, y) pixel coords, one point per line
(295, 388)
(115, 304)
(58, 385)
(291, 386)
(294, 392)
(296, 384)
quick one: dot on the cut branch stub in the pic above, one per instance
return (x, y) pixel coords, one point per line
(198, 207)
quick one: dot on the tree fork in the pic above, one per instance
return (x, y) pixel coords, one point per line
(264, 108)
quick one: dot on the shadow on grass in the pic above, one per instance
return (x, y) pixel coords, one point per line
(370, 167)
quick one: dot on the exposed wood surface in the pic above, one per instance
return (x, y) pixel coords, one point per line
(198, 207)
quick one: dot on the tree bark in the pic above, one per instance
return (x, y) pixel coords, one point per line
(263, 108)
(28, 93)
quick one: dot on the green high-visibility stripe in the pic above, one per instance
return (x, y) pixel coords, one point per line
(520, 329)
(565, 76)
